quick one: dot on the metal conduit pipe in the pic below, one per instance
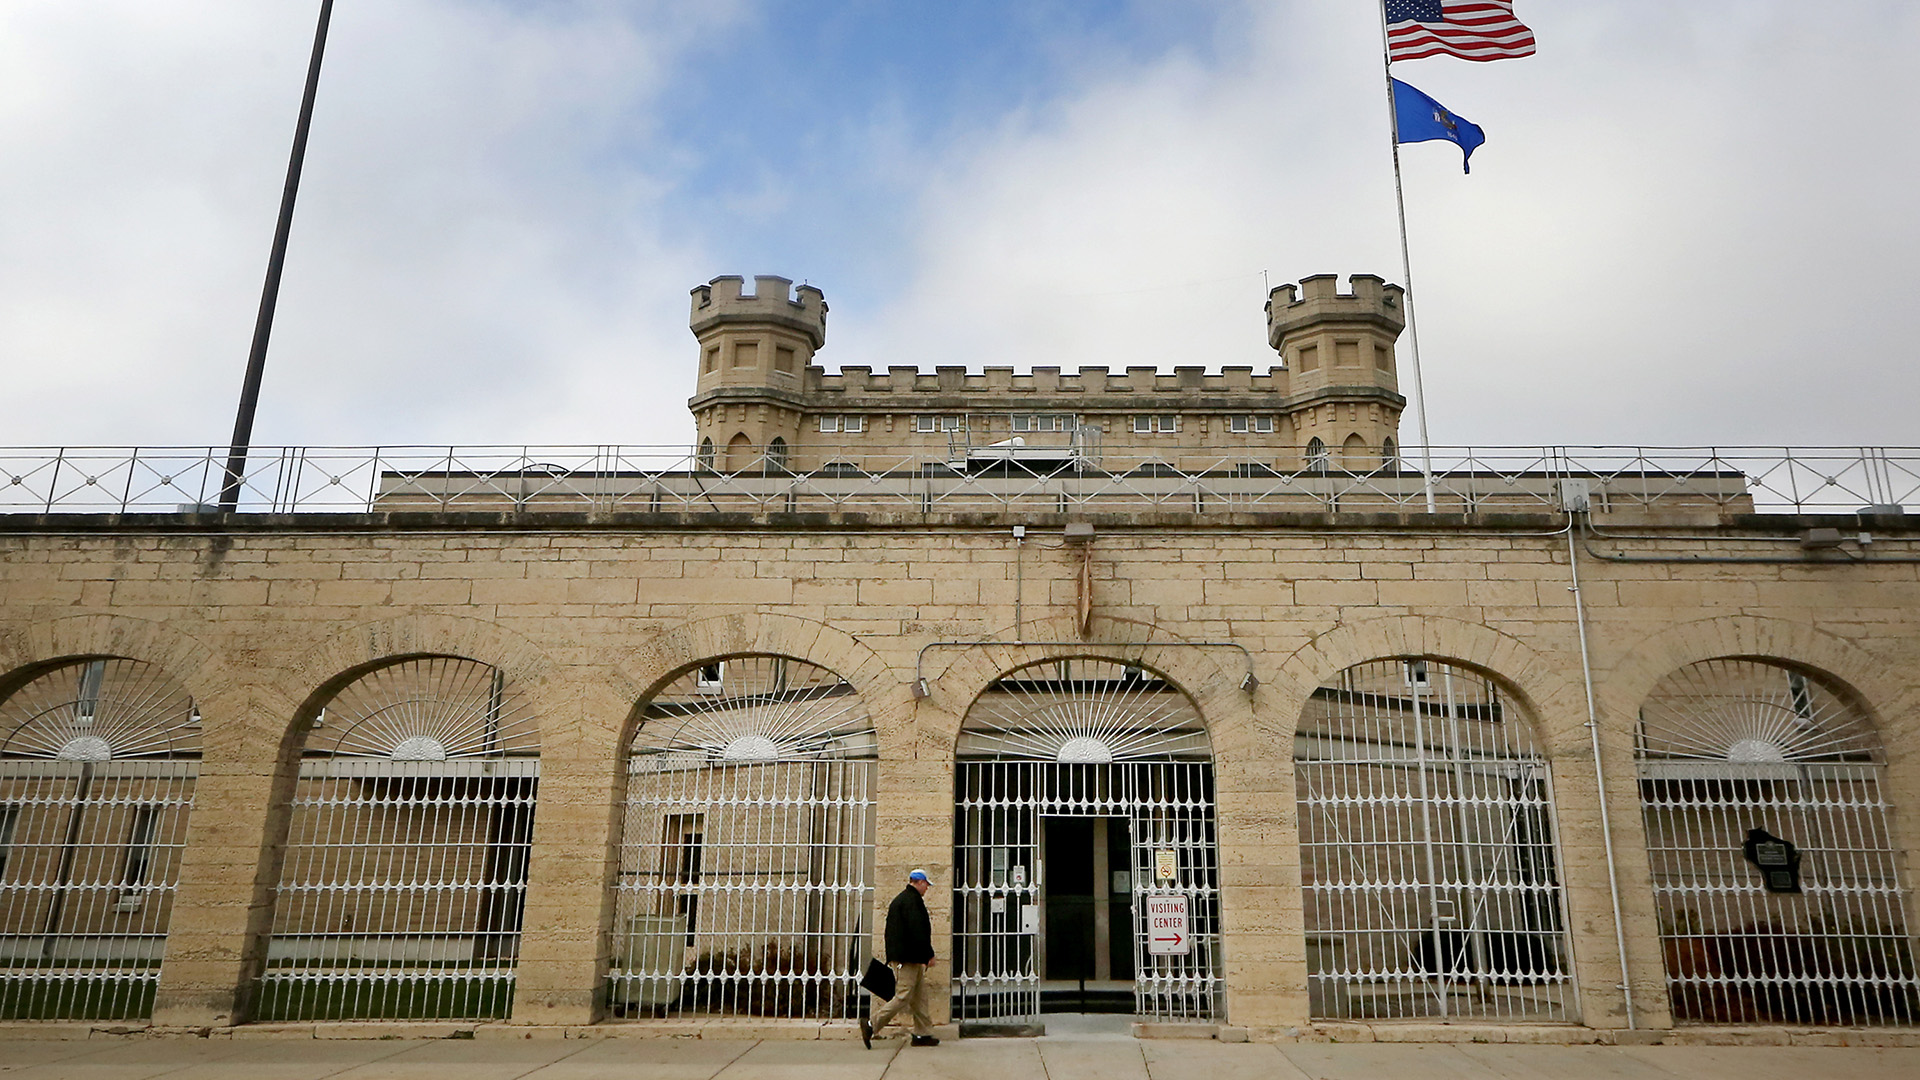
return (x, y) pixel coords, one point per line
(1599, 773)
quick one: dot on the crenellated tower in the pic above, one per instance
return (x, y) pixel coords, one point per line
(754, 351)
(1343, 381)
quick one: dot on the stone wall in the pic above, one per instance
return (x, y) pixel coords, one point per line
(259, 618)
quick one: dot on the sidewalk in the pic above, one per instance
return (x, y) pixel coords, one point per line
(1054, 1058)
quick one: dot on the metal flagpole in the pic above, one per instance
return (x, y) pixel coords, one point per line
(270, 293)
(1406, 265)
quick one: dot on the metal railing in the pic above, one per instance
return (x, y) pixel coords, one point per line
(871, 478)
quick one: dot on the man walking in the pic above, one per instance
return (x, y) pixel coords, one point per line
(910, 951)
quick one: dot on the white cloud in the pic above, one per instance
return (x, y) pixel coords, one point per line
(1690, 223)
(476, 255)
(1685, 228)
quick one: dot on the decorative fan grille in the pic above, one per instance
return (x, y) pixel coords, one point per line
(98, 760)
(753, 708)
(746, 847)
(403, 885)
(1730, 747)
(431, 709)
(100, 710)
(1082, 712)
(1428, 866)
(1750, 712)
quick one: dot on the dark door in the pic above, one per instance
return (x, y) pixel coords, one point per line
(1070, 889)
(1089, 899)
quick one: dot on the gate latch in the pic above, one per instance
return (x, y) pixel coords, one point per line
(1778, 860)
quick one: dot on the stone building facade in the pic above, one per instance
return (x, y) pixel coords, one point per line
(761, 403)
(1387, 774)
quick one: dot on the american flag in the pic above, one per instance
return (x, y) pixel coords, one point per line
(1468, 29)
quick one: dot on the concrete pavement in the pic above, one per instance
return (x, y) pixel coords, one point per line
(1079, 1057)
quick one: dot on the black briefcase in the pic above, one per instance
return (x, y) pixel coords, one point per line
(879, 980)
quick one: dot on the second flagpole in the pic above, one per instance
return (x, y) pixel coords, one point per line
(1406, 266)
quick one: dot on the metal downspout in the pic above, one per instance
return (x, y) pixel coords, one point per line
(1599, 773)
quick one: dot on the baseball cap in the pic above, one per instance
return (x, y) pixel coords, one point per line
(917, 875)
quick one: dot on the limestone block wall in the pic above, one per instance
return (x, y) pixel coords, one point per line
(590, 616)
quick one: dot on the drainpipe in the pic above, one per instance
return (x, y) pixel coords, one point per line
(1599, 773)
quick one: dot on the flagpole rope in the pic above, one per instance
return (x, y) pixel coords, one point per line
(1406, 265)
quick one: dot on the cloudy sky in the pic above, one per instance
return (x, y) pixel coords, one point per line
(1691, 223)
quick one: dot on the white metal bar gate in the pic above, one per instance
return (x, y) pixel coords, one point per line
(746, 847)
(1427, 852)
(403, 883)
(1727, 747)
(1077, 740)
(98, 760)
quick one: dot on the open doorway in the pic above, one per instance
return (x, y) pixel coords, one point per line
(1087, 921)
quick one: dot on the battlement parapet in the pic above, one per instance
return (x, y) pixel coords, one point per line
(1004, 384)
(1318, 300)
(723, 302)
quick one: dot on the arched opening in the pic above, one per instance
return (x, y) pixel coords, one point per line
(746, 846)
(1086, 865)
(403, 882)
(1775, 878)
(777, 454)
(98, 760)
(740, 453)
(703, 460)
(1354, 455)
(1428, 862)
(1316, 455)
(1389, 455)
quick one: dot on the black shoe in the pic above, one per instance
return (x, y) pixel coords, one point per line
(924, 1040)
(866, 1032)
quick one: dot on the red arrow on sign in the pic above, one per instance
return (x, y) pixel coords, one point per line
(1176, 939)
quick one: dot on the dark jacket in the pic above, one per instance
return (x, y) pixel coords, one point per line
(909, 930)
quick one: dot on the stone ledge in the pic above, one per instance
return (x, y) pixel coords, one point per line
(1149, 1029)
(1575, 1035)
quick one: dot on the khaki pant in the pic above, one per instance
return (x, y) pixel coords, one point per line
(909, 992)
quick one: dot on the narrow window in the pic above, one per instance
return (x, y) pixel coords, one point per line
(1023, 423)
(712, 678)
(1239, 425)
(1801, 696)
(87, 703)
(1143, 425)
(139, 860)
(1263, 425)
(682, 845)
(140, 847)
(1417, 675)
(1169, 424)
(9, 815)
(952, 423)
(1316, 454)
(926, 423)
(829, 424)
(853, 425)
